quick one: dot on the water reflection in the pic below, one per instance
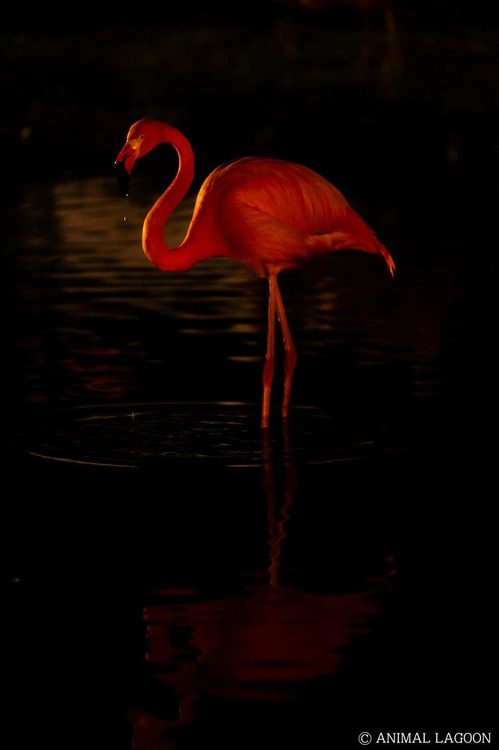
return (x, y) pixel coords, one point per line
(278, 516)
(260, 642)
(143, 435)
(146, 387)
(89, 293)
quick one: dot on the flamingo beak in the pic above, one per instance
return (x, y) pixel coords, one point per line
(124, 164)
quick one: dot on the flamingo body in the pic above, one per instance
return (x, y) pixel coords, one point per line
(273, 215)
(269, 214)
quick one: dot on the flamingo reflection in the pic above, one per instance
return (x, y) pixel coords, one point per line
(261, 645)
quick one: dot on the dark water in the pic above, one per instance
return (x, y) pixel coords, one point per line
(176, 578)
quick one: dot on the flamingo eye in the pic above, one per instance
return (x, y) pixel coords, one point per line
(134, 143)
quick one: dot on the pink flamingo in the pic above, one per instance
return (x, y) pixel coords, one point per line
(269, 214)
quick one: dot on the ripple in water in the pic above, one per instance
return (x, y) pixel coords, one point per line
(223, 433)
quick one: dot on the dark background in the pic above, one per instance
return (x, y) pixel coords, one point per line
(401, 114)
(397, 104)
(409, 107)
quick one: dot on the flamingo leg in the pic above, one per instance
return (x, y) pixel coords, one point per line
(290, 356)
(268, 369)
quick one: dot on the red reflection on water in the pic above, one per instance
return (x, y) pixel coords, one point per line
(270, 635)
(261, 644)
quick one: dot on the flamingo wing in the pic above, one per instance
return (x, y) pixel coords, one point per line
(274, 215)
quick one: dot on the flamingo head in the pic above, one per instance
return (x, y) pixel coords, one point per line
(142, 137)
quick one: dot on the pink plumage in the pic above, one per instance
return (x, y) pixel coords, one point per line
(269, 214)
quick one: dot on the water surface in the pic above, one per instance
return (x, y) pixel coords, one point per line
(181, 579)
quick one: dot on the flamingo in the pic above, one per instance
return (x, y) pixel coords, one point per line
(269, 214)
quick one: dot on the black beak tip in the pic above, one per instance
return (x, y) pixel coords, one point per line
(122, 178)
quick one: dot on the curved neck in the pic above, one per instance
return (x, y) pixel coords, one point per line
(153, 239)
